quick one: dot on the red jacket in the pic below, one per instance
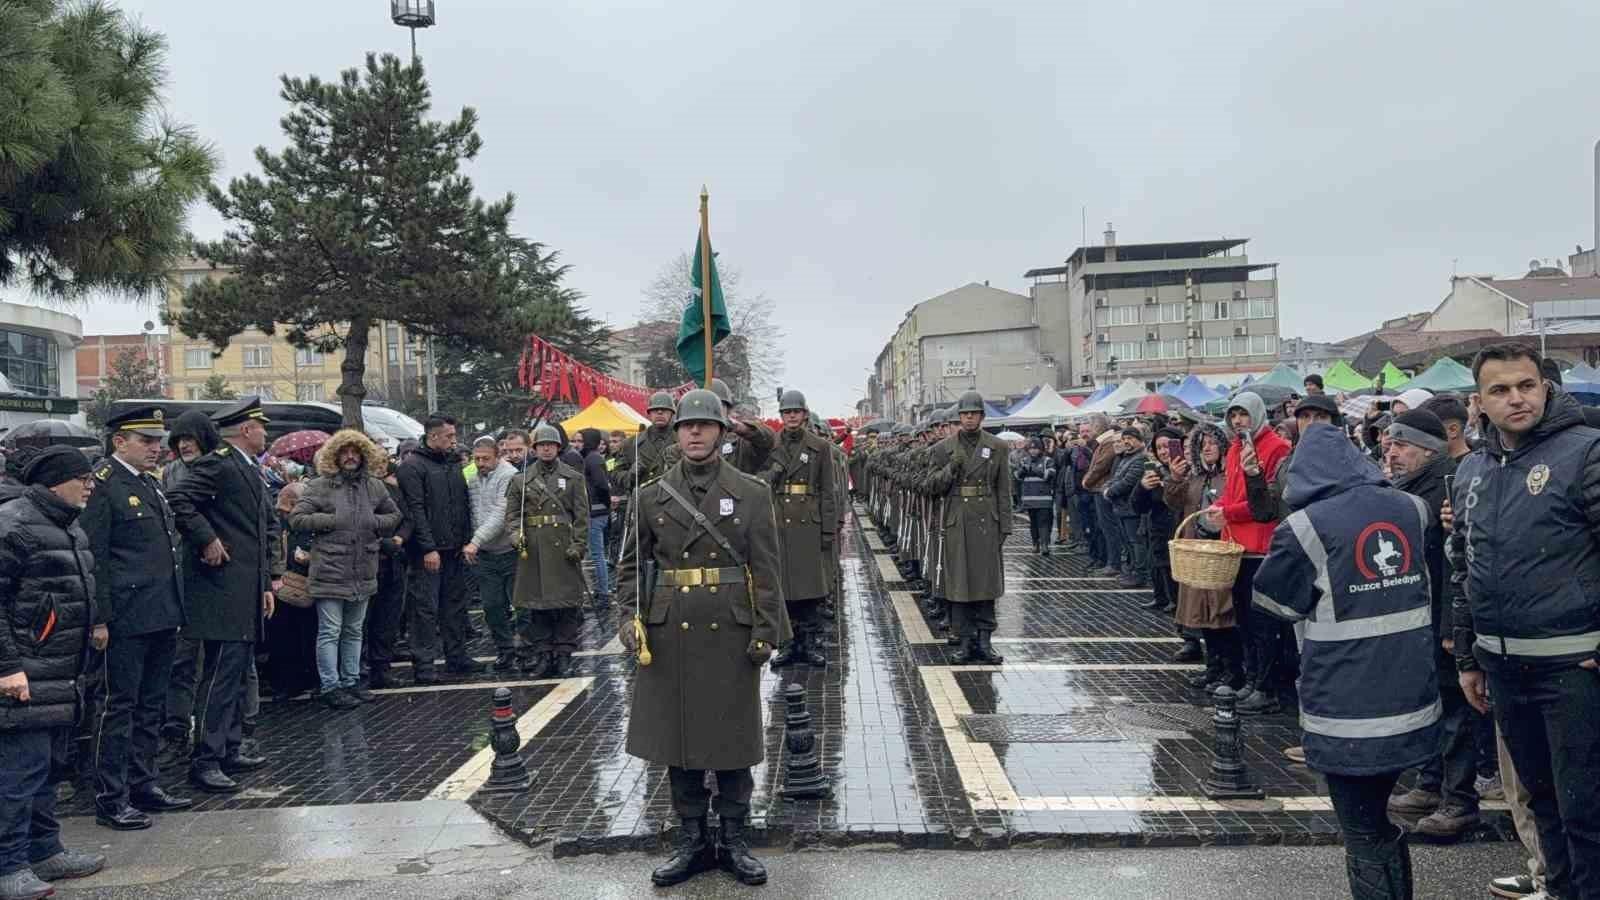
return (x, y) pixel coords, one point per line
(1271, 451)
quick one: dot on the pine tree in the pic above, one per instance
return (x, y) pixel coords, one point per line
(130, 375)
(216, 388)
(364, 217)
(94, 184)
(478, 379)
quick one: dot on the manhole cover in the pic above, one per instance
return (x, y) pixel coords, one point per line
(1172, 721)
(1040, 729)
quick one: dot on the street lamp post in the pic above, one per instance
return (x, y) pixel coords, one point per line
(414, 14)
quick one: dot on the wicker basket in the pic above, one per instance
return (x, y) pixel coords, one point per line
(1204, 564)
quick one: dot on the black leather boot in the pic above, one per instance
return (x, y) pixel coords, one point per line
(810, 650)
(986, 650)
(734, 856)
(969, 652)
(786, 656)
(692, 854)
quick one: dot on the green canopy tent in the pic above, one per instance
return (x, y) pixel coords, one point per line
(1282, 376)
(1393, 377)
(1445, 375)
(1340, 377)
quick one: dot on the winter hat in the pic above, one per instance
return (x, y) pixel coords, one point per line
(1419, 428)
(1414, 398)
(55, 465)
(1321, 403)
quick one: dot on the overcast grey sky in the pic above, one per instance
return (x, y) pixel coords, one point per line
(865, 156)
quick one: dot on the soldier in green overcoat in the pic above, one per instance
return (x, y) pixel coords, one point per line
(975, 482)
(800, 471)
(712, 611)
(547, 514)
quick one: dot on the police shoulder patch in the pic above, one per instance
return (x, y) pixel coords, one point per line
(103, 472)
(224, 450)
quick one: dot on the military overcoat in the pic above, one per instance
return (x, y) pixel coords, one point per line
(801, 473)
(547, 512)
(975, 483)
(698, 704)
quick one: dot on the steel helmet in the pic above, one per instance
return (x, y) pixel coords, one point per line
(791, 400)
(971, 401)
(720, 388)
(661, 400)
(700, 405)
(546, 434)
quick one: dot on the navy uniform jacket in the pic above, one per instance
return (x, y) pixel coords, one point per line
(223, 496)
(138, 579)
(1349, 563)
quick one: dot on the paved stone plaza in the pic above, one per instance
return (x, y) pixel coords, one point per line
(1087, 736)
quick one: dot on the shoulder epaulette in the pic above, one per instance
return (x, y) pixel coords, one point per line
(103, 472)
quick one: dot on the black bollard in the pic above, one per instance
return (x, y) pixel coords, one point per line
(507, 774)
(1228, 779)
(803, 771)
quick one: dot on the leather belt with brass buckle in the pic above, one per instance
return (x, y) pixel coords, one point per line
(537, 521)
(699, 577)
(971, 491)
(797, 489)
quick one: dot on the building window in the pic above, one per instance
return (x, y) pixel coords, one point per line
(258, 356)
(1152, 313)
(307, 356)
(1217, 310)
(311, 391)
(262, 389)
(1260, 309)
(29, 362)
(1172, 348)
(193, 392)
(1215, 347)
(394, 355)
(1125, 315)
(413, 352)
(1171, 312)
(197, 357)
(1125, 351)
(1263, 345)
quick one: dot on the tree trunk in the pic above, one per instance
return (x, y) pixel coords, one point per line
(353, 371)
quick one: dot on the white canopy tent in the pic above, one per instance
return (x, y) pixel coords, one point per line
(1044, 408)
(1111, 403)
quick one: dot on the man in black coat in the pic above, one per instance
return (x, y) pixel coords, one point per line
(139, 598)
(440, 513)
(46, 613)
(226, 516)
(1445, 797)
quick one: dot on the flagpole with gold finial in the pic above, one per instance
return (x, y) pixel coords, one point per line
(705, 277)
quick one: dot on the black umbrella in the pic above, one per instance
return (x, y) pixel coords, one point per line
(44, 432)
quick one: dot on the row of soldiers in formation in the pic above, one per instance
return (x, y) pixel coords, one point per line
(941, 494)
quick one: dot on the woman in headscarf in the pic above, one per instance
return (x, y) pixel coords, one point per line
(1196, 483)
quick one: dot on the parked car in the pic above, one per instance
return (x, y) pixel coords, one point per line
(386, 427)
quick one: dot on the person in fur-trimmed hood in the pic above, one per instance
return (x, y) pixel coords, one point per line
(348, 510)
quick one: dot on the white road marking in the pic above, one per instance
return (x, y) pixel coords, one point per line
(911, 621)
(465, 781)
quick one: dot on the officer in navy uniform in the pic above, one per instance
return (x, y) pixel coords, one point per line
(139, 600)
(226, 517)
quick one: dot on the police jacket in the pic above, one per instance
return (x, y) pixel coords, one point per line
(134, 538)
(224, 497)
(46, 605)
(1349, 563)
(1527, 534)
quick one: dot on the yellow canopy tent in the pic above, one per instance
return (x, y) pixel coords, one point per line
(606, 415)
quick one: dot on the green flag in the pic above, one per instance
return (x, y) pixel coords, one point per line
(691, 332)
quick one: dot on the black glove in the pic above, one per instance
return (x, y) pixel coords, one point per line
(574, 551)
(758, 652)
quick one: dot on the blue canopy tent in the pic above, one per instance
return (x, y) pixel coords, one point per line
(1194, 392)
